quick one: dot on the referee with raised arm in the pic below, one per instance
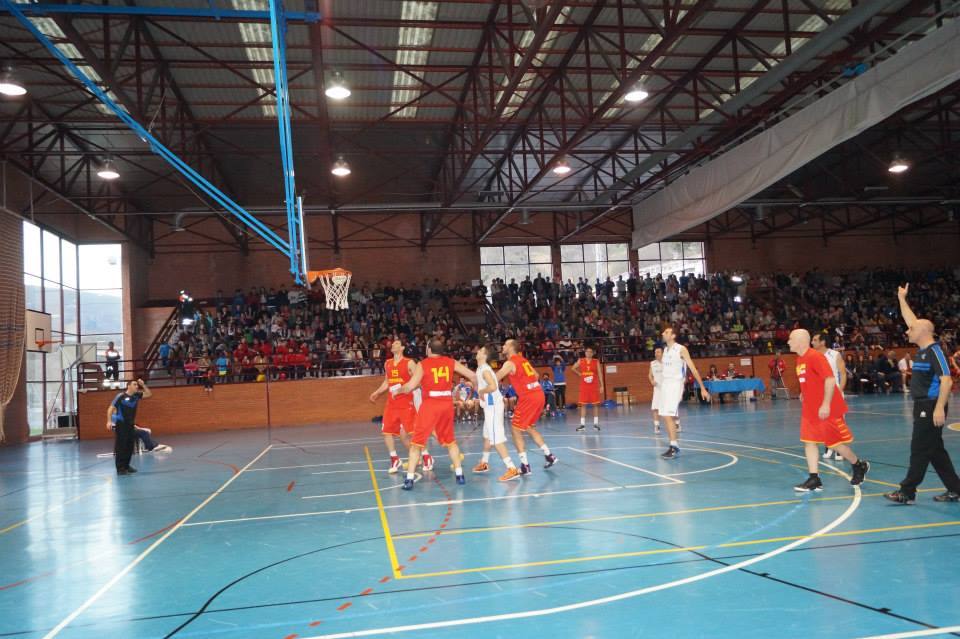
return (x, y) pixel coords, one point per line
(930, 389)
(121, 418)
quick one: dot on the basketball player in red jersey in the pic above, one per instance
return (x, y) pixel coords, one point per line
(821, 413)
(400, 413)
(530, 403)
(591, 387)
(434, 376)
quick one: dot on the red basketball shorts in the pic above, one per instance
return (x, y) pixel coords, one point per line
(435, 418)
(830, 431)
(528, 410)
(589, 394)
(396, 416)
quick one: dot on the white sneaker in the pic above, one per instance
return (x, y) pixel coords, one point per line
(394, 465)
(162, 448)
(828, 454)
(656, 429)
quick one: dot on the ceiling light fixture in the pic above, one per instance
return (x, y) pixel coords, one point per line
(337, 89)
(340, 167)
(108, 171)
(9, 83)
(636, 94)
(561, 167)
(899, 165)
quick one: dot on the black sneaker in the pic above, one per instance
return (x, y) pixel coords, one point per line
(131, 469)
(581, 428)
(672, 453)
(813, 484)
(597, 426)
(123, 471)
(551, 460)
(901, 497)
(947, 496)
(525, 469)
(860, 470)
(407, 484)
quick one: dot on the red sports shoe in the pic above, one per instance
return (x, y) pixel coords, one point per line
(395, 464)
(428, 462)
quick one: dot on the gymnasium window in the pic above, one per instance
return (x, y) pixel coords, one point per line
(51, 286)
(81, 288)
(594, 261)
(101, 296)
(514, 262)
(671, 258)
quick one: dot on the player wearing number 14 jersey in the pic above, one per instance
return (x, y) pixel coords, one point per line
(530, 403)
(434, 376)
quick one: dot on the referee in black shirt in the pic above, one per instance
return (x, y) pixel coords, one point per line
(121, 417)
(930, 389)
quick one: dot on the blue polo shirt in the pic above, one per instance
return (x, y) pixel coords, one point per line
(559, 373)
(126, 407)
(929, 365)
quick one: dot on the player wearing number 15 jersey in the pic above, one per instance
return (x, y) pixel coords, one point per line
(591, 387)
(434, 376)
(530, 403)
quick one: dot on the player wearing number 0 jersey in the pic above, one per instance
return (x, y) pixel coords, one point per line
(493, 432)
(434, 376)
(591, 387)
(400, 412)
(821, 413)
(530, 403)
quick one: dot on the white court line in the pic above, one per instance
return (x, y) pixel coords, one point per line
(416, 477)
(321, 444)
(733, 458)
(930, 632)
(335, 472)
(854, 504)
(618, 463)
(133, 564)
(347, 511)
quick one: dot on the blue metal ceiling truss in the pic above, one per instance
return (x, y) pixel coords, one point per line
(293, 247)
(161, 12)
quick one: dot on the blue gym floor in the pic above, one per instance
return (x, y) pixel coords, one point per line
(287, 534)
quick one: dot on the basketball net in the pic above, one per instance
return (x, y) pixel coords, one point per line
(336, 286)
(12, 317)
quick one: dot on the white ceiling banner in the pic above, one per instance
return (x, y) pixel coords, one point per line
(916, 71)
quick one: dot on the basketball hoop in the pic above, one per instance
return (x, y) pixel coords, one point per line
(336, 285)
(42, 344)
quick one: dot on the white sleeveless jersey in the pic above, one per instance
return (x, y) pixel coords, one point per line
(674, 368)
(832, 358)
(656, 369)
(491, 399)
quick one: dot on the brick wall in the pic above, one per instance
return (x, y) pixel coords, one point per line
(188, 409)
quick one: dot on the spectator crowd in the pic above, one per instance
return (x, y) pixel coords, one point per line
(288, 333)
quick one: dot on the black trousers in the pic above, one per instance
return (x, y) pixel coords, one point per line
(124, 440)
(561, 392)
(926, 447)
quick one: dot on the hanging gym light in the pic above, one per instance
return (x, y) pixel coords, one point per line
(898, 165)
(9, 83)
(561, 167)
(636, 94)
(108, 171)
(337, 89)
(340, 167)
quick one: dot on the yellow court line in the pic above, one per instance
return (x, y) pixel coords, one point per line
(57, 507)
(388, 538)
(565, 522)
(663, 551)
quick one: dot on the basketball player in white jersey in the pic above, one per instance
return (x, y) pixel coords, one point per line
(835, 359)
(674, 365)
(493, 430)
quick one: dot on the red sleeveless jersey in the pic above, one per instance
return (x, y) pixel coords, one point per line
(398, 373)
(589, 371)
(524, 377)
(437, 382)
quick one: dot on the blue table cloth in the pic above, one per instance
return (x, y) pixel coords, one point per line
(734, 385)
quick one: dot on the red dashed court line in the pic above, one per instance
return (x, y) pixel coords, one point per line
(236, 471)
(400, 568)
(154, 533)
(290, 486)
